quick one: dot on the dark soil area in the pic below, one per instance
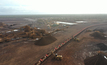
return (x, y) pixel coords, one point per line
(96, 60)
(101, 30)
(102, 46)
(98, 35)
(45, 40)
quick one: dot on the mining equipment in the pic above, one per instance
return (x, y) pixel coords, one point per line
(76, 39)
(89, 30)
(56, 56)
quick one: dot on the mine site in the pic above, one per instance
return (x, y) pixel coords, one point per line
(53, 39)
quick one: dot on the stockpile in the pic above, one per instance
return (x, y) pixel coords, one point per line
(99, 59)
(102, 46)
(98, 35)
(101, 30)
(45, 40)
(24, 32)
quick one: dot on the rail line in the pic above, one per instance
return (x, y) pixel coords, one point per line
(42, 59)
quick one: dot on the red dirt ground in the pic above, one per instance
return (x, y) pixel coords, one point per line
(26, 53)
(74, 53)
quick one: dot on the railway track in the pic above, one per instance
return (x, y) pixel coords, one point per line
(42, 59)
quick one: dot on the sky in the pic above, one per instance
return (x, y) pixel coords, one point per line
(13, 7)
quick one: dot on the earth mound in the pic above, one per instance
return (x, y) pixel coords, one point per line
(100, 30)
(102, 46)
(45, 40)
(99, 59)
(98, 35)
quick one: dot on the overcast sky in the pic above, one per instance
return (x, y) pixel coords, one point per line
(8, 7)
